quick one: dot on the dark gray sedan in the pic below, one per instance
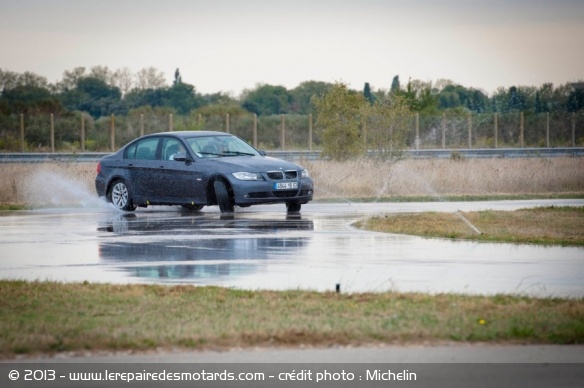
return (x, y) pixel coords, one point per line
(196, 169)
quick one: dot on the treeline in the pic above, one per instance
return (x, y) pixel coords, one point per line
(143, 102)
(101, 92)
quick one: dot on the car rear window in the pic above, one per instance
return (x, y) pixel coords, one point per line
(144, 149)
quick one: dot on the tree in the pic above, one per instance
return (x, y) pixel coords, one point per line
(395, 86)
(30, 99)
(419, 96)
(453, 96)
(182, 96)
(123, 79)
(10, 80)
(387, 126)
(576, 98)
(267, 100)
(177, 77)
(144, 97)
(340, 119)
(150, 78)
(302, 95)
(70, 79)
(367, 93)
(516, 100)
(102, 73)
(94, 96)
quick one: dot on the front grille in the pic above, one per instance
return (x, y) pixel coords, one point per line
(279, 175)
(285, 193)
(276, 175)
(258, 195)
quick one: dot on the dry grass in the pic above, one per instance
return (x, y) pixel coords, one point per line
(35, 184)
(53, 317)
(550, 225)
(445, 177)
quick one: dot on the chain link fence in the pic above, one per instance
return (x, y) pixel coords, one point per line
(78, 132)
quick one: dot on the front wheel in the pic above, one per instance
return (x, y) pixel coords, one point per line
(120, 196)
(222, 195)
(293, 207)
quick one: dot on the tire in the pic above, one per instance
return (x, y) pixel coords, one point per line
(222, 195)
(192, 208)
(293, 207)
(120, 196)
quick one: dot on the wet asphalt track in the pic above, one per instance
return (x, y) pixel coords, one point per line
(263, 248)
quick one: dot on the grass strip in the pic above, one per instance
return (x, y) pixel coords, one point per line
(47, 317)
(452, 198)
(553, 225)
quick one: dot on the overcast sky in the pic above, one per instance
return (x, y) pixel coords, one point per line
(228, 45)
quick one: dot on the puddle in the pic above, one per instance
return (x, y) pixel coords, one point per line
(263, 248)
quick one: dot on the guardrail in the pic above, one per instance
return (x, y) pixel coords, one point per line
(93, 157)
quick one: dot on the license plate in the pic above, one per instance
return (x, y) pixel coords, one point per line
(285, 186)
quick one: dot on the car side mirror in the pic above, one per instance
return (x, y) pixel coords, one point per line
(262, 153)
(182, 157)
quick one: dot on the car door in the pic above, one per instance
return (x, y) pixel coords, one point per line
(179, 181)
(142, 163)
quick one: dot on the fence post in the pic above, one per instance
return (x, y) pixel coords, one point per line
(417, 129)
(573, 129)
(547, 129)
(82, 132)
(227, 123)
(364, 132)
(521, 129)
(52, 133)
(255, 130)
(141, 124)
(310, 132)
(22, 133)
(443, 130)
(496, 130)
(170, 125)
(113, 133)
(283, 132)
(470, 130)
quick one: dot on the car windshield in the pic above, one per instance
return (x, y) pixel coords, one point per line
(220, 146)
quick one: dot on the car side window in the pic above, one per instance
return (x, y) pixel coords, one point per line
(171, 147)
(144, 149)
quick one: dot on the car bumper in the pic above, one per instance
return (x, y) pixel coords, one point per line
(100, 186)
(258, 192)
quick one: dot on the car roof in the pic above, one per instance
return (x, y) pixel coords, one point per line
(185, 134)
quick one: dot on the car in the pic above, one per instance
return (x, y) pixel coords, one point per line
(194, 169)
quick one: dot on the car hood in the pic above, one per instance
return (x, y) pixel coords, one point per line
(255, 163)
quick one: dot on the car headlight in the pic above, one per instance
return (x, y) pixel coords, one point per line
(304, 174)
(248, 176)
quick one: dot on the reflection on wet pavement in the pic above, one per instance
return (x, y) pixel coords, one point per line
(266, 249)
(198, 247)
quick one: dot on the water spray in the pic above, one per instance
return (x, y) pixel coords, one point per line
(440, 198)
(466, 221)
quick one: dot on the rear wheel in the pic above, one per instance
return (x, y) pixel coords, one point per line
(222, 195)
(293, 207)
(120, 196)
